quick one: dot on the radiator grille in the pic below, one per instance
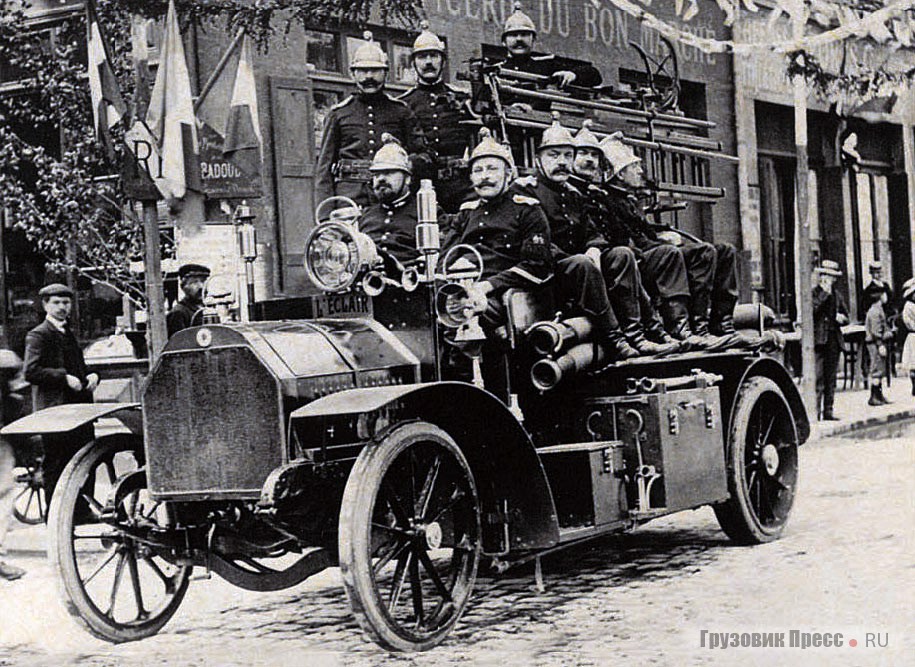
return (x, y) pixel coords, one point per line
(212, 423)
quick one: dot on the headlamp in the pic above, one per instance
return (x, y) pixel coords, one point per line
(337, 254)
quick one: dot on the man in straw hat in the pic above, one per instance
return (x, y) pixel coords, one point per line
(353, 129)
(829, 313)
(439, 109)
(907, 363)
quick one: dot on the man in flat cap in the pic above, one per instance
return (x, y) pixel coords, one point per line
(187, 311)
(55, 367)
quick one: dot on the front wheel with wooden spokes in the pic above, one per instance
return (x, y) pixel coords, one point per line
(114, 579)
(30, 505)
(410, 536)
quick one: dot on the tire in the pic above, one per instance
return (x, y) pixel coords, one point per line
(110, 607)
(762, 465)
(410, 511)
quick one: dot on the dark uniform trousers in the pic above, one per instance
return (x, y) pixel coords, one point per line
(827, 345)
(352, 135)
(606, 294)
(439, 109)
(50, 356)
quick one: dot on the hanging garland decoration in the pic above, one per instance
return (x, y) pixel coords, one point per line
(855, 24)
(865, 84)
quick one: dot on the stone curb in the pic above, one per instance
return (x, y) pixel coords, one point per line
(823, 431)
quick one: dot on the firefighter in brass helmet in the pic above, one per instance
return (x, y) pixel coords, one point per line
(518, 37)
(440, 108)
(391, 222)
(353, 129)
(705, 309)
(576, 238)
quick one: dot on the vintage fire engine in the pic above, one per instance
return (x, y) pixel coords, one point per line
(384, 434)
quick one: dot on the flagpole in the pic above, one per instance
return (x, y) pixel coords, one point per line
(152, 256)
(219, 67)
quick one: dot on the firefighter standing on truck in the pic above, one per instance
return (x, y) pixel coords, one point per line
(353, 129)
(440, 108)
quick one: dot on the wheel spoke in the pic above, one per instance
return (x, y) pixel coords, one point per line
(429, 566)
(765, 439)
(391, 529)
(394, 503)
(135, 581)
(456, 496)
(416, 588)
(428, 485)
(168, 581)
(152, 510)
(111, 554)
(109, 469)
(94, 506)
(116, 585)
(394, 552)
(400, 577)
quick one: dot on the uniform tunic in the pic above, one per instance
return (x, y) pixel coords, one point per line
(393, 227)
(440, 108)
(183, 315)
(352, 135)
(512, 235)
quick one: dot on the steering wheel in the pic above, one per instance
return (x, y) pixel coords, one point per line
(662, 67)
(353, 210)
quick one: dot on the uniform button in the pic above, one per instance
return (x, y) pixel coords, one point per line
(435, 128)
(435, 115)
(371, 131)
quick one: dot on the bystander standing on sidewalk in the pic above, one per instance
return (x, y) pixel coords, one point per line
(908, 319)
(876, 335)
(829, 314)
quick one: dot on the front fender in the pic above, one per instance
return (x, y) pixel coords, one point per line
(501, 455)
(65, 418)
(772, 369)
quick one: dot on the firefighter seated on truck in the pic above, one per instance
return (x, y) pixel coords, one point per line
(512, 234)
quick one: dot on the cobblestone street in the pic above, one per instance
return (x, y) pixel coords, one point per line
(845, 565)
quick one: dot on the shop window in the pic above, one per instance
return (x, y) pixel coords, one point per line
(323, 50)
(401, 69)
(323, 101)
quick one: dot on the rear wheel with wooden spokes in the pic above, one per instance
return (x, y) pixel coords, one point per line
(410, 536)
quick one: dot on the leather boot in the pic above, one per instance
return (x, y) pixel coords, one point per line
(675, 313)
(630, 321)
(653, 327)
(721, 321)
(617, 347)
(874, 400)
(883, 399)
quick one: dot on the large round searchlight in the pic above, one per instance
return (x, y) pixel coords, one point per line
(337, 255)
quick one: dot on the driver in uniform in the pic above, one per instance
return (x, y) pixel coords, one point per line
(512, 234)
(187, 311)
(353, 129)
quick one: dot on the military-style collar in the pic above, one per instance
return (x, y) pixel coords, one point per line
(397, 203)
(439, 85)
(369, 98)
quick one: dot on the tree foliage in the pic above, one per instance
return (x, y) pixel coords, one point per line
(55, 178)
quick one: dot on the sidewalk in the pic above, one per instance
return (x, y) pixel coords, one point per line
(854, 413)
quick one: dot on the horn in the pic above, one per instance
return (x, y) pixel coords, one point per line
(452, 304)
(374, 283)
(409, 279)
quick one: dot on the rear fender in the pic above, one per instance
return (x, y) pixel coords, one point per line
(770, 368)
(61, 419)
(503, 459)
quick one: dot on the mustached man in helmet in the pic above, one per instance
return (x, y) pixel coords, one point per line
(704, 310)
(391, 222)
(518, 37)
(353, 129)
(615, 248)
(612, 271)
(440, 108)
(512, 234)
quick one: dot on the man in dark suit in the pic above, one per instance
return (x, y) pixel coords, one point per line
(188, 311)
(55, 367)
(828, 314)
(54, 362)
